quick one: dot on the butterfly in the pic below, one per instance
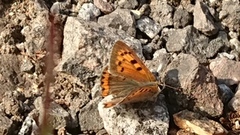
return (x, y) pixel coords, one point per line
(126, 78)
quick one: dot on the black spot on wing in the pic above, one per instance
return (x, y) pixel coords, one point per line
(133, 61)
(122, 69)
(119, 63)
(139, 69)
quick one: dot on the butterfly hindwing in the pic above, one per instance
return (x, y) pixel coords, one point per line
(141, 94)
(116, 85)
(113, 102)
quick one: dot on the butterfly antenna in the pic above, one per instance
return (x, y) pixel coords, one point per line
(165, 85)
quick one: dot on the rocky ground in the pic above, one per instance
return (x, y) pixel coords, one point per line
(193, 48)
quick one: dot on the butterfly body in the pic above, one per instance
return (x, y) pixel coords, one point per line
(127, 79)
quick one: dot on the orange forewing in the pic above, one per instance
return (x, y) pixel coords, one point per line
(125, 62)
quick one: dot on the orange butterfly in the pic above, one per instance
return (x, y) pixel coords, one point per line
(127, 79)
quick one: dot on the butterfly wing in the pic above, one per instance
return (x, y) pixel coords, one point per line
(142, 94)
(125, 62)
(127, 79)
(117, 86)
(125, 90)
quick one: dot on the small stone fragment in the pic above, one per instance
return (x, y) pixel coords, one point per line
(181, 18)
(58, 117)
(148, 26)
(6, 124)
(178, 39)
(27, 66)
(105, 7)
(128, 4)
(89, 12)
(89, 118)
(234, 103)
(225, 93)
(119, 19)
(226, 71)
(230, 14)
(232, 121)
(161, 12)
(203, 20)
(30, 124)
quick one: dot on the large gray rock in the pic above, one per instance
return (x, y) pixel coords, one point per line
(140, 118)
(195, 87)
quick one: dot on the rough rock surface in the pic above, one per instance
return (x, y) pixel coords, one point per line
(197, 124)
(226, 71)
(203, 20)
(119, 19)
(195, 86)
(152, 118)
(179, 41)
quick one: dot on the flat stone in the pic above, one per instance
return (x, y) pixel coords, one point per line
(178, 39)
(60, 7)
(214, 46)
(119, 19)
(198, 124)
(128, 4)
